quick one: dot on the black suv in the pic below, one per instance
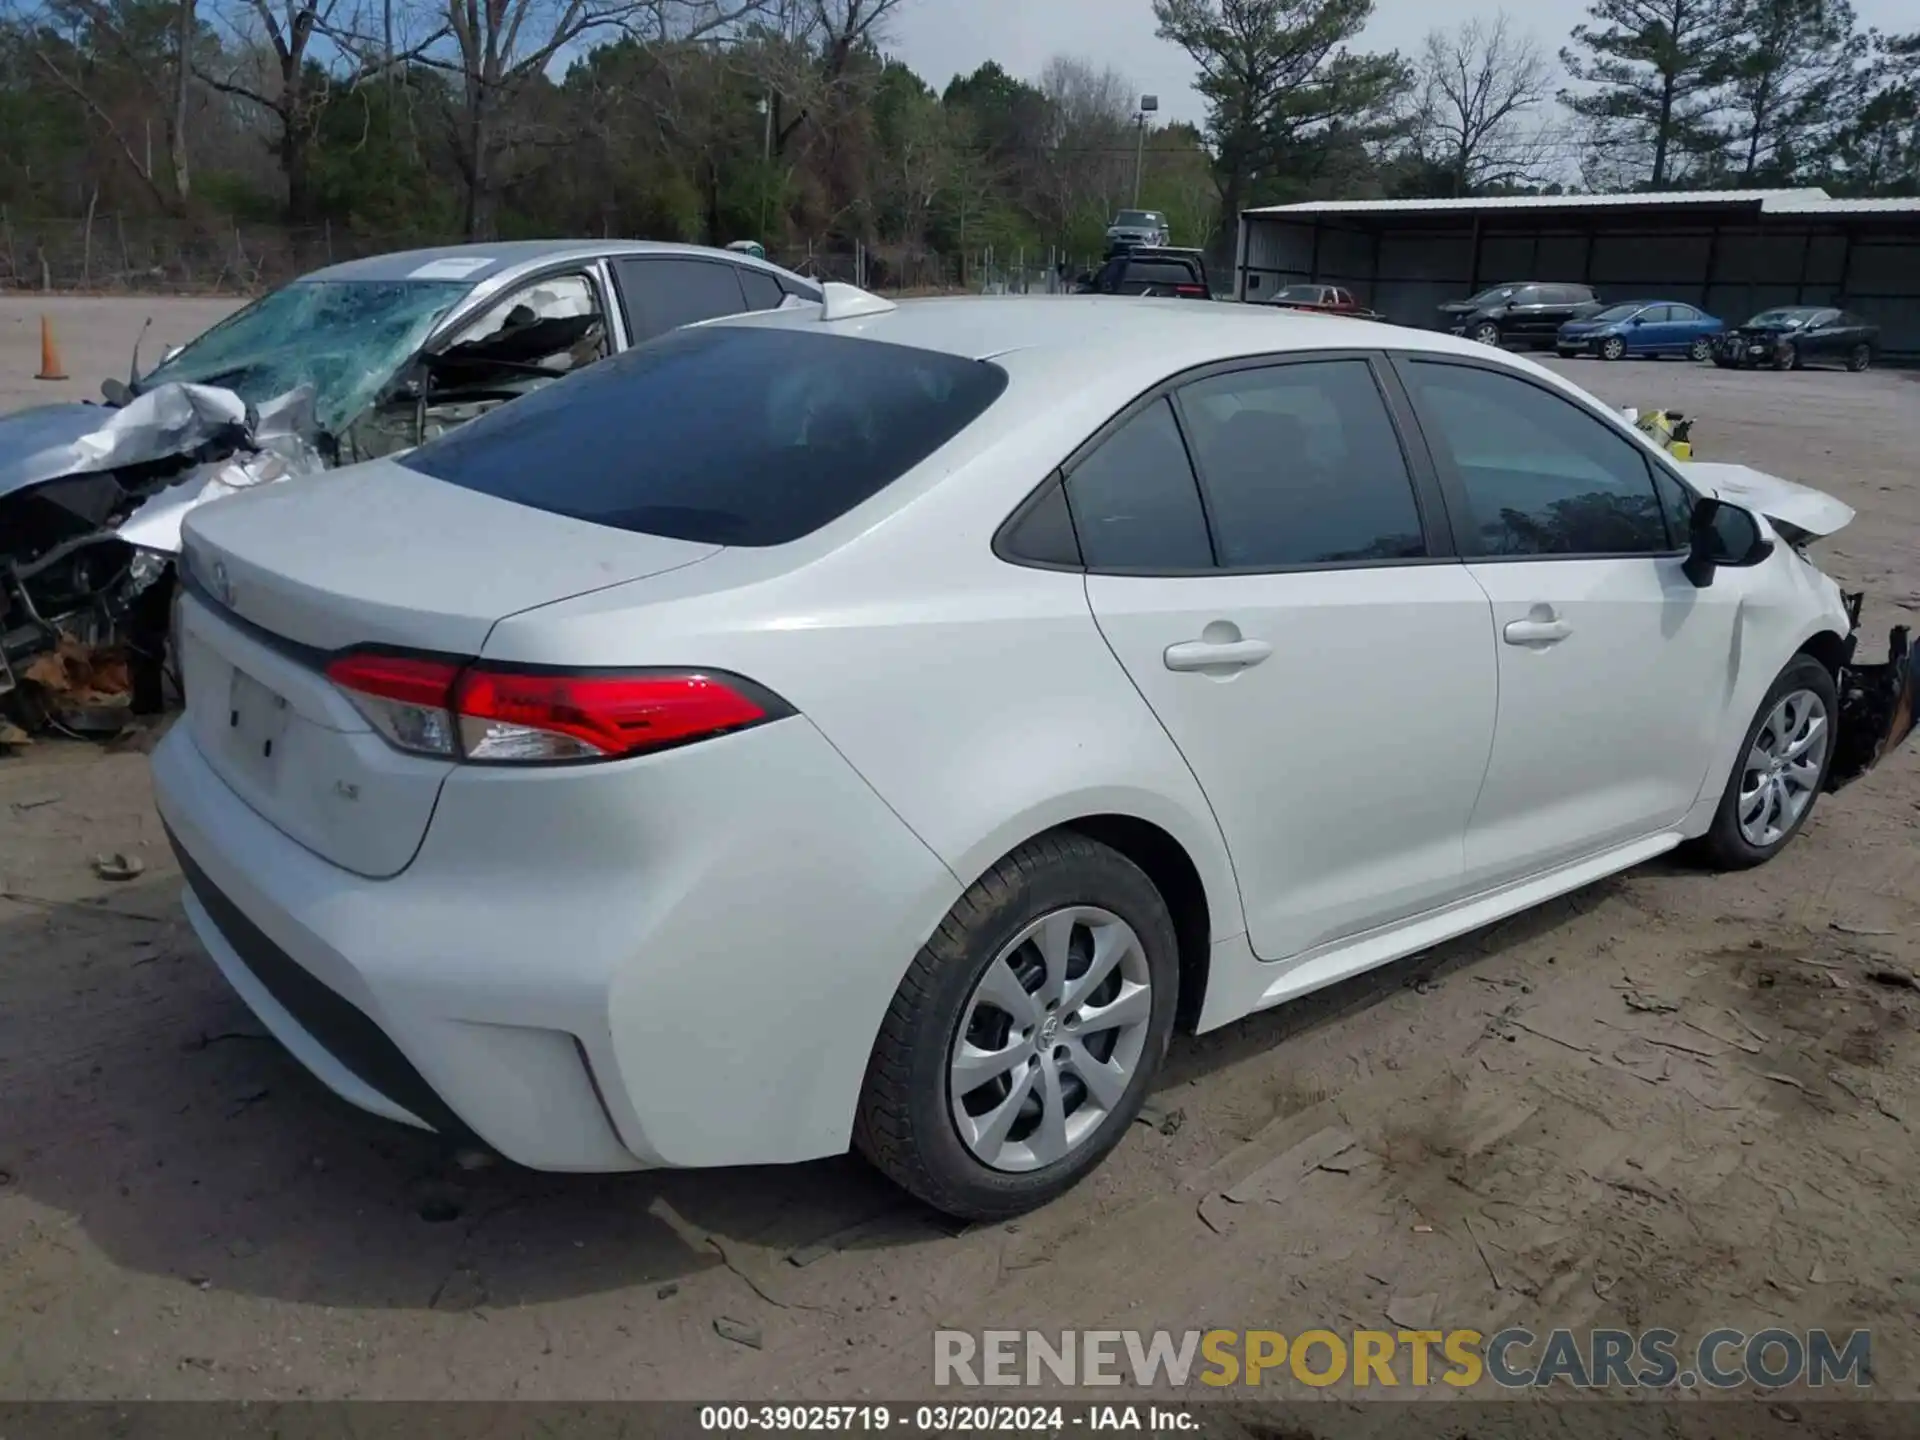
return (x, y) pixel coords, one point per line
(1529, 312)
(1157, 270)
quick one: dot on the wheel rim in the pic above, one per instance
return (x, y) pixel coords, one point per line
(1614, 349)
(1050, 1039)
(1488, 334)
(1782, 771)
(1701, 350)
(1862, 357)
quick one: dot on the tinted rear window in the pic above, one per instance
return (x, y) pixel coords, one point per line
(723, 435)
(1161, 272)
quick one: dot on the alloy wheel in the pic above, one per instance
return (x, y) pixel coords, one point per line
(1613, 347)
(1783, 769)
(1050, 1039)
(1700, 350)
(1860, 359)
(1487, 333)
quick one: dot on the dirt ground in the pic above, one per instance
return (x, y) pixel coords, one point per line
(1671, 1099)
(94, 336)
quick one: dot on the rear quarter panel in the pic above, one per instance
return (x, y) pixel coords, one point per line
(977, 697)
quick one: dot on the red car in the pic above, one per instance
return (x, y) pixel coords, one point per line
(1322, 300)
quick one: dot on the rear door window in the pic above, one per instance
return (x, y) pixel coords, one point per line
(729, 435)
(1301, 465)
(664, 294)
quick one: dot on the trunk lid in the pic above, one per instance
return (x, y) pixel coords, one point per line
(1797, 507)
(280, 578)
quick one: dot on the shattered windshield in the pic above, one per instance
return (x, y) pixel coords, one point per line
(1781, 319)
(346, 338)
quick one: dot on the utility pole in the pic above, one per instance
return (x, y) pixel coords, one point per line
(1148, 105)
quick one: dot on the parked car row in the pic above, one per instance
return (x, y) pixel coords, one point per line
(627, 777)
(1572, 320)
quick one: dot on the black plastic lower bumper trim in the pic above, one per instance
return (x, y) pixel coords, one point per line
(339, 1026)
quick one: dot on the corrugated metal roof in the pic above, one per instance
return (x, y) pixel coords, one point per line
(1797, 201)
(1889, 205)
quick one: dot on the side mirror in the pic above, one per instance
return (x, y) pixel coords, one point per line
(1702, 543)
(1722, 535)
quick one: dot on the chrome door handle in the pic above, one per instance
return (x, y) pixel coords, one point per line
(1537, 632)
(1206, 655)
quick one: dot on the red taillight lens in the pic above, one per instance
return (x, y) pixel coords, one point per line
(431, 705)
(536, 715)
(1190, 290)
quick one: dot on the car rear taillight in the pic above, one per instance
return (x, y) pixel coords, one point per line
(407, 698)
(499, 714)
(1191, 291)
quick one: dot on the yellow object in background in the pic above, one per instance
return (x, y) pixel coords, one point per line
(1670, 430)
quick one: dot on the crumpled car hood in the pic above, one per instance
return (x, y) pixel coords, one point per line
(56, 440)
(39, 444)
(247, 445)
(1811, 511)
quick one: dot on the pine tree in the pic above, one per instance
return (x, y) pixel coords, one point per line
(1656, 68)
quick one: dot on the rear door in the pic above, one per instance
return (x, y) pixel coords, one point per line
(1613, 666)
(1269, 567)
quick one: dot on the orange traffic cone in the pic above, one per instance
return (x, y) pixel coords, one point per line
(50, 367)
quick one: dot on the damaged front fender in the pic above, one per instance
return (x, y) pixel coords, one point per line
(1877, 704)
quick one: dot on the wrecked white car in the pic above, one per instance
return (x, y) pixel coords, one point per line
(353, 362)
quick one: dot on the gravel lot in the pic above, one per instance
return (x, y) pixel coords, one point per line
(1671, 1099)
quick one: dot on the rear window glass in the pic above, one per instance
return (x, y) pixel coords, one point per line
(1161, 272)
(723, 435)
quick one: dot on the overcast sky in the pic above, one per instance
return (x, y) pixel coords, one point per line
(941, 38)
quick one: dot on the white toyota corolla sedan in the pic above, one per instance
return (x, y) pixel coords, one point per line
(884, 725)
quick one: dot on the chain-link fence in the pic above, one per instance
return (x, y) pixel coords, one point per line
(112, 253)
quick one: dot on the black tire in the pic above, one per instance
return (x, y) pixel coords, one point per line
(1787, 357)
(1723, 846)
(1613, 348)
(1723, 362)
(1859, 358)
(903, 1125)
(1700, 350)
(1486, 333)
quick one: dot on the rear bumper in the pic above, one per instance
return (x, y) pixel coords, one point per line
(680, 960)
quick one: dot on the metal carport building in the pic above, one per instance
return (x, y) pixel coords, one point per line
(1731, 251)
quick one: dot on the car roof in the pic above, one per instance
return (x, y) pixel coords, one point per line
(1089, 336)
(479, 263)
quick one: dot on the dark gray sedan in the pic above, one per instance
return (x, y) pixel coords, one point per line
(1792, 337)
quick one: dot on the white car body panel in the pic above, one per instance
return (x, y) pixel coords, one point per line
(1569, 775)
(684, 958)
(1385, 673)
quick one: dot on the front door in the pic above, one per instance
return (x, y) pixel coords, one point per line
(1327, 673)
(1614, 667)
